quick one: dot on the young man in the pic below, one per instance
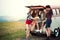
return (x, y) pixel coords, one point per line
(49, 14)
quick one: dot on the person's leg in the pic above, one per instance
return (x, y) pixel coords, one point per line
(27, 31)
(49, 24)
(37, 25)
(32, 26)
(48, 32)
(42, 25)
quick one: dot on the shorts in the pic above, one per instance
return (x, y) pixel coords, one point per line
(28, 22)
(48, 23)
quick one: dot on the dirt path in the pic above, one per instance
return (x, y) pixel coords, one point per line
(38, 38)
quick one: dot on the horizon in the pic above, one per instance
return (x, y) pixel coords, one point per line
(9, 19)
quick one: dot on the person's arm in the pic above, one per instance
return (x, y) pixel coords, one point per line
(36, 18)
(52, 12)
(32, 17)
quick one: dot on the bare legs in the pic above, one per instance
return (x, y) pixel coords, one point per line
(37, 25)
(33, 25)
(48, 32)
(28, 27)
(42, 25)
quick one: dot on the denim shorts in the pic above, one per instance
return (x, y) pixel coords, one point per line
(48, 23)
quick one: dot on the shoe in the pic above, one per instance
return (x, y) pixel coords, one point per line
(40, 30)
(37, 30)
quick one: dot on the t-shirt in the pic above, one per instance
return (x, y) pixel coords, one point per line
(49, 14)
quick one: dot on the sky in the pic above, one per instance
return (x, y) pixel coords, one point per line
(16, 9)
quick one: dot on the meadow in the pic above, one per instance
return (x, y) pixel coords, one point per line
(12, 30)
(16, 30)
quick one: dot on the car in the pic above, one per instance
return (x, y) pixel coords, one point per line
(55, 26)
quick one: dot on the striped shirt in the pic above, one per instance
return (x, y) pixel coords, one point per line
(29, 17)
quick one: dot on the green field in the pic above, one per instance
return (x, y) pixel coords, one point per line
(12, 30)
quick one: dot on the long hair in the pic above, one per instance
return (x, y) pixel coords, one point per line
(33, 14)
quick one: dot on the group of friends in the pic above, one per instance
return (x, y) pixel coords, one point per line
(36, 16)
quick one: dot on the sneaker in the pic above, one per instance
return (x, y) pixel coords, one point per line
(40, 30)
(37, 30)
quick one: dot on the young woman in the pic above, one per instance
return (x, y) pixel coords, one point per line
(35, 20)
(32, 20)
(49, 14)
(28, 24)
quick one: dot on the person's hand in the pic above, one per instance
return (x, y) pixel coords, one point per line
(37, 18)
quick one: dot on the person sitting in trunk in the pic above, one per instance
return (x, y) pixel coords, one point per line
(42, 17)
(35, 19)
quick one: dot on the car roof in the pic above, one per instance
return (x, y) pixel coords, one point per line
(36, 7)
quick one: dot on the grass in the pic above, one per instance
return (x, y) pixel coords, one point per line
(12, 36)
(12, 30)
